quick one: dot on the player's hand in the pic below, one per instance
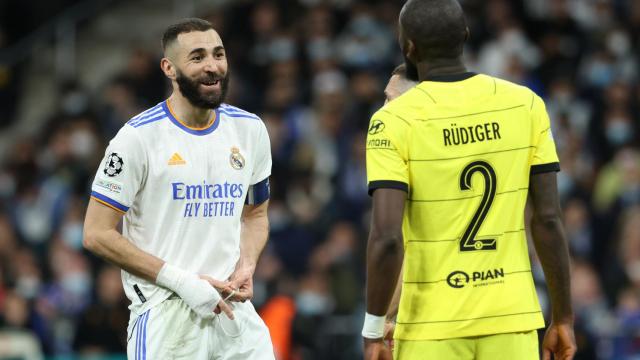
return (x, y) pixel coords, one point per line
(225, 308)
(223, 287)
(560, 341)
(375, 349)
(196, 292)
(242, 281)
(389, 328)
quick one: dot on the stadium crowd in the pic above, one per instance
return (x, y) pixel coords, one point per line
(315, 71)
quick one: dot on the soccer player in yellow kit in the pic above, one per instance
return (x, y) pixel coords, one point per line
(450, 164)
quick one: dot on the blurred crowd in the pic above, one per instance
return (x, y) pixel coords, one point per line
(315, 71)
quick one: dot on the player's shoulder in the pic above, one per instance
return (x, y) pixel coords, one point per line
(515, 92)
(402, 109)
(235, 112)
(149, 117)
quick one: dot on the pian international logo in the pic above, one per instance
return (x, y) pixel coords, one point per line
(459, 279)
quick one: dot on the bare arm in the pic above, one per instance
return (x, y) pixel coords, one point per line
(253, 238)
(551, 244)
(254, 234)
(102, 238)
(384, 249)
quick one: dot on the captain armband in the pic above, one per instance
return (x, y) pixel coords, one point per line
(258, 193)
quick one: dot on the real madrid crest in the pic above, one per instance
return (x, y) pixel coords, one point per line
(236, 159)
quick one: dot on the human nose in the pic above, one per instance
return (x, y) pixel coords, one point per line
(213, 65)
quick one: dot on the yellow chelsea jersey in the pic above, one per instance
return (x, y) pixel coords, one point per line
(463, 147)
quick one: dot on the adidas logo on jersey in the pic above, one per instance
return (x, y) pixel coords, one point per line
(176, 159)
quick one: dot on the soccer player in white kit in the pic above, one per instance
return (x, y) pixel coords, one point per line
(189, 178)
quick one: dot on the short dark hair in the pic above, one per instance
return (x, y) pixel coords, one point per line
(400, 70)
(437, 27)
(184, 26)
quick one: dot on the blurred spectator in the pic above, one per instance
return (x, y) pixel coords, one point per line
(9, 87)
(102, 328)
(16, 341)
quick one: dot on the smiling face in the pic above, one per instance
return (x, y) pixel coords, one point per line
(197, 64)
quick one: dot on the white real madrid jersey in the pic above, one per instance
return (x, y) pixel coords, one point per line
(182, 190)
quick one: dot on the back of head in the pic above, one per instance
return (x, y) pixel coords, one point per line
(437, 28)
(183, 26)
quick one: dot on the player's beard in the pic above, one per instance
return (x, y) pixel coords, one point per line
(190, 89)
(412, 70)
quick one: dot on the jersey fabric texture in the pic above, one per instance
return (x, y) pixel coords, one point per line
(463, 148)
(182, 190)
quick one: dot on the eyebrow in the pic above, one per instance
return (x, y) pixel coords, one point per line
(201, 50)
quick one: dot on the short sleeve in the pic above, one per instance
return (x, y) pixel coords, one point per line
(387, 165)
(545, 158)
(121, 171)
(262, 164)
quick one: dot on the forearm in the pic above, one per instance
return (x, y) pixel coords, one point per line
(253, 238)
(552, 250)
(384, 262)
(392, 312)
(115, 248)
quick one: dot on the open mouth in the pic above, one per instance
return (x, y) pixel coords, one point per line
(210, 82)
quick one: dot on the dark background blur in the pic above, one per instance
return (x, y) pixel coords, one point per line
(73, 72)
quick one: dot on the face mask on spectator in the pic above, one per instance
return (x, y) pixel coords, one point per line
(633, 270)
(76, 283)
(75, 102)
(72, 235)
(28, 286)
(618, 43)
(600, 73)
(565, 184)
(618, 132)
(311, 303)
(83, 144)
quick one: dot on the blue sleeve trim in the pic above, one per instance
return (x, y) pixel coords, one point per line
(258, 193)
(111, 202)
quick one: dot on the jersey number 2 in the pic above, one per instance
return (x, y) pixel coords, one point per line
(468, 242)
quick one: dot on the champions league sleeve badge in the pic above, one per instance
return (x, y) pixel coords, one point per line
(236, 159)
(113, 165)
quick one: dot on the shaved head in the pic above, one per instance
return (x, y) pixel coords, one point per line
(437, 28)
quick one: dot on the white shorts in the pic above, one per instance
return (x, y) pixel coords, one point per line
(172, 331)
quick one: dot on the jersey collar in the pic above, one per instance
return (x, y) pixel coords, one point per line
(211, 127)
(452, 77)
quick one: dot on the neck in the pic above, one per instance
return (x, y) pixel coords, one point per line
(188, 114)
(439, 67)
